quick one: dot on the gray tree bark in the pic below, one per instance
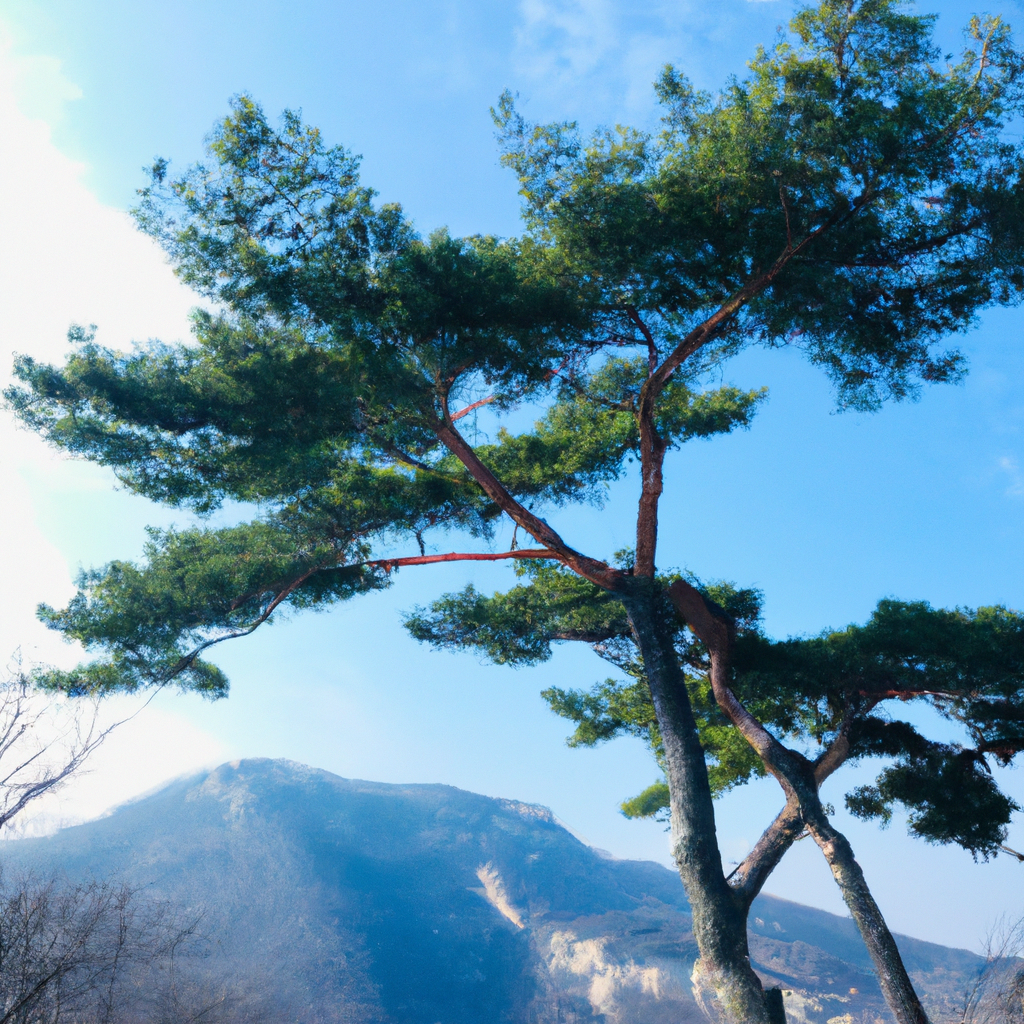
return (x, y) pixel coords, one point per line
(800, 780)
(719, 912)
(885, 955)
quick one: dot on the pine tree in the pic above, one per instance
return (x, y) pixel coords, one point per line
(854, 197)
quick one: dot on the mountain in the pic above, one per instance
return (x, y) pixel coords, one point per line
(338, 900)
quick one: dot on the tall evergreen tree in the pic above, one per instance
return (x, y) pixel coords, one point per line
(854, 197)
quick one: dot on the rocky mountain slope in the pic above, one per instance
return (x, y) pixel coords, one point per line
(339, 900)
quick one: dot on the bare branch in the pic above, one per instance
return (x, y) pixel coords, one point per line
(42, 744)
(469, 408)
(388, 564)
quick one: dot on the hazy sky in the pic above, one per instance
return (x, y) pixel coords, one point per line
(826, 513)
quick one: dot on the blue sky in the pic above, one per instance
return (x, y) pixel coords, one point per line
(826, 513)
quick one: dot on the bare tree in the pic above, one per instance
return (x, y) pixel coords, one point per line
(43, 743)
(997, 995)
(68, 951)
(64, 947)
(106, 953)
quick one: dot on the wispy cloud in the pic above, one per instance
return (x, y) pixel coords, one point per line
(599, 58)
(559, 41)
(1009, 466)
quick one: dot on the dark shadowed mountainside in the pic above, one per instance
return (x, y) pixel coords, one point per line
(339, 900)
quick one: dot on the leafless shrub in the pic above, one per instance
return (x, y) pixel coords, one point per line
(96, 952)
(68, 951)
(105, 953)
(997, 995)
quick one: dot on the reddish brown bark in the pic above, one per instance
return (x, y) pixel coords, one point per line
(460, 556)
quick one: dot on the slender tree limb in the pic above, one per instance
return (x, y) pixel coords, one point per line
(652, 446)
(388, 564)
(411, 461)
(32, 763)
(709, 328)
(286, 590)
(652, 461)
(490, 398)
(833, 757)
(469, 408)
(186, 661)
(749, 877)
(714, 629)
(652, 348)
(592, 569)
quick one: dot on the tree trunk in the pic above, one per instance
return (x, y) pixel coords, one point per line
(800, 781)
(892, 974)
(719, 914)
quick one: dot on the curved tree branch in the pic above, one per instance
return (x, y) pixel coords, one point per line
(592, 569)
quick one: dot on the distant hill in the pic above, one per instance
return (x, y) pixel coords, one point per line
(366, 903)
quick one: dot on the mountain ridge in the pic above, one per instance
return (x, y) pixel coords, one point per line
(422, 903)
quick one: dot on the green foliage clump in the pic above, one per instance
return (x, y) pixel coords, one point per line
(877, 174)
(197, 587)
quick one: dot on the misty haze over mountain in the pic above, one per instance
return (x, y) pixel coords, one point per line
(336, 900)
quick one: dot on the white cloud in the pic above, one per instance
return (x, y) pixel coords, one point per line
(40, 88)
(560, 41)
(65, 258)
